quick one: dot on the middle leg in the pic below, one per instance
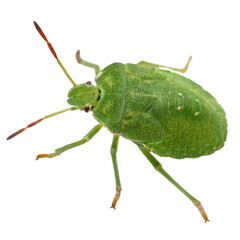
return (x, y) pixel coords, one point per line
(156, 66)
(115, 167)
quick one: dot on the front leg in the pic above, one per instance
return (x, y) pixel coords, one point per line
(85, 139)
(115, 167)
(87, 64)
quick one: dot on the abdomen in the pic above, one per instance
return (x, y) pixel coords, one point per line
(193, 121)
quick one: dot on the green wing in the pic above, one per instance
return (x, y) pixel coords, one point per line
(138, 123)
(143, 128)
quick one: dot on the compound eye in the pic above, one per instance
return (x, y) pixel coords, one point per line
(88, 83)
(87, 108)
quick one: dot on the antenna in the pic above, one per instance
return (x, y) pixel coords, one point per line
(53, 52)
(39, 120)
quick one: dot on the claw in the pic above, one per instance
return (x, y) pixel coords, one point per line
(51, 155)
(116, 197)
(202, 211)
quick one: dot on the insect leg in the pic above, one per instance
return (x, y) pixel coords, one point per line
(153, 65)
(85, 139)
(87, 64)
(157, 165)
(115, 167)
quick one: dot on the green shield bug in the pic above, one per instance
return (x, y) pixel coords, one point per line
(160, 111)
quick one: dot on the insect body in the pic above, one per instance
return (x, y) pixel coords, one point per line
(161, 111)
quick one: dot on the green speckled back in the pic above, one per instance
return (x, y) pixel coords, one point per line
(163, 111)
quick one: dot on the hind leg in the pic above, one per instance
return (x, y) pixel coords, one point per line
(157, 165)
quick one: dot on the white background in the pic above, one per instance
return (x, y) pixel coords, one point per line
(69, 197)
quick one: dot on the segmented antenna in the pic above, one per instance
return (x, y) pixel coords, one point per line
(39, 120)
(53, 52)
(23, 129)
